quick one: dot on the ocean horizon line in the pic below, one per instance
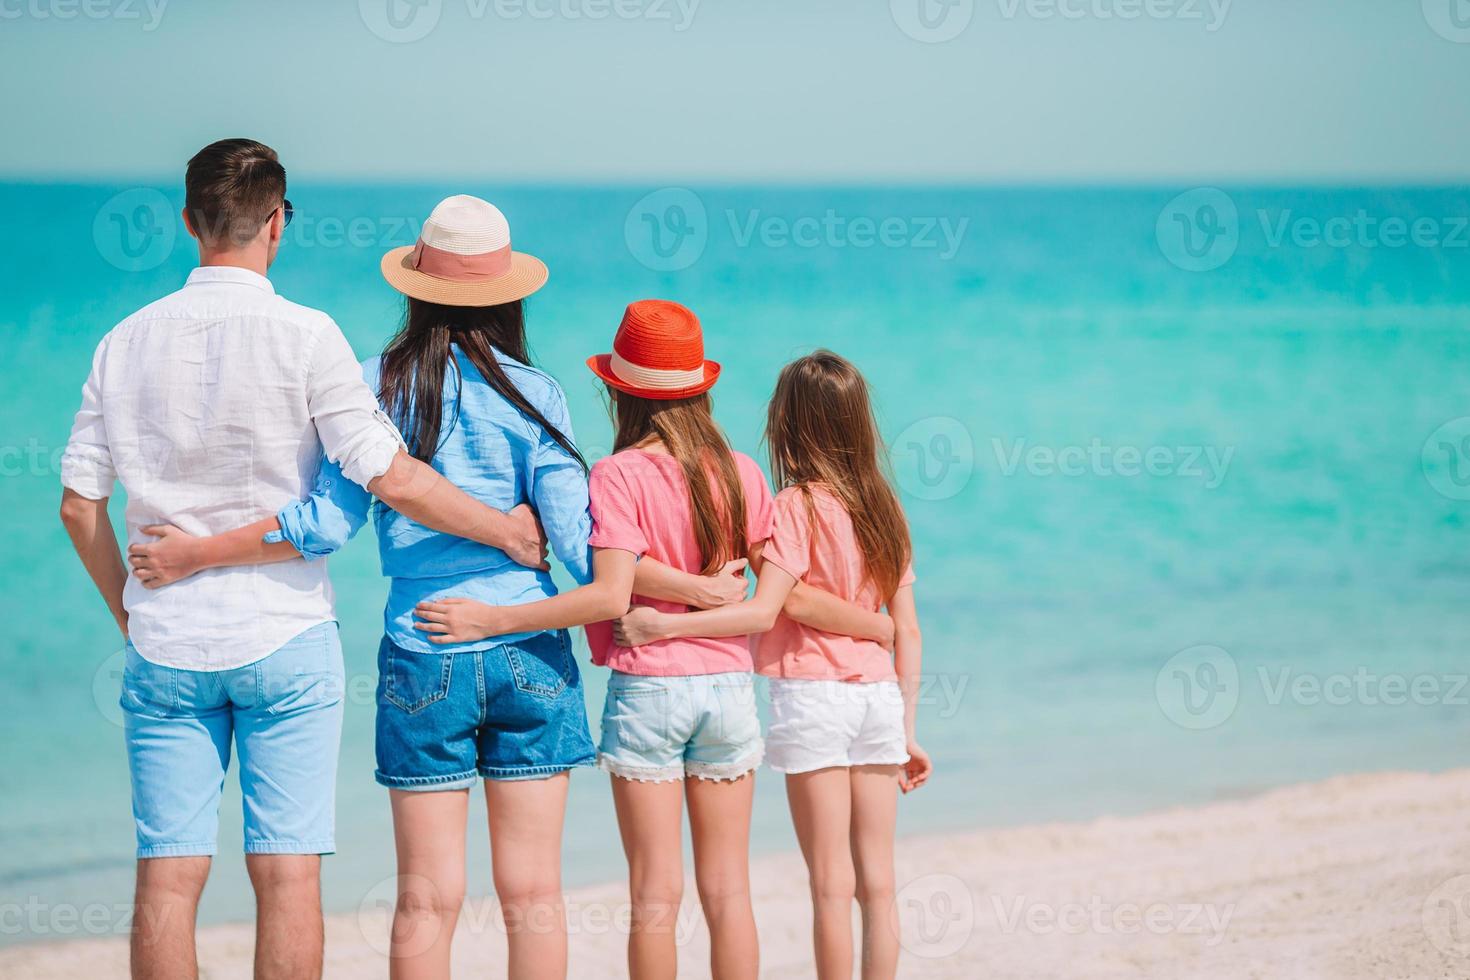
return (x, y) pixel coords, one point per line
(969, 186)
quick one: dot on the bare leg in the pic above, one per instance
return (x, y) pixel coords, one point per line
(428, 830)
(649, 818)
(874, 818)
(719, 823)
(821, 807)
(288, 915)
(526, 819)
(167, 902)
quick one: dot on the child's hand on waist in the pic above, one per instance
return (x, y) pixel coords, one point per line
(457, 620)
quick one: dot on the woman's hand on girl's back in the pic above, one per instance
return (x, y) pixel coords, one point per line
(456, 620)
(915, 772)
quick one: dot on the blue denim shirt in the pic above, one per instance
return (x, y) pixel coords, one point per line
(496, 455)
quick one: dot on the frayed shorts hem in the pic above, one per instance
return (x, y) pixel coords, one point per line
(724, 771)
(641, 774)
(711, 771)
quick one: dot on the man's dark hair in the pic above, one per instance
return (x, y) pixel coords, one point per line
(231, 188)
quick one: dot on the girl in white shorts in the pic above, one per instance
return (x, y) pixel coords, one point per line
(842, 727)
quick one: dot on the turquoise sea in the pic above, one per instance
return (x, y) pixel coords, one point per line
(1188, 472)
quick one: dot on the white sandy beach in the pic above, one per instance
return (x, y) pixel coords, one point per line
(1359, 876)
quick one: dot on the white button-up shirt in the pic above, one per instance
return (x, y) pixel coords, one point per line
(213, 407)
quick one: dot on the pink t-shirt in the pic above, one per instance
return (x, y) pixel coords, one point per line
(640, 503)
(817, 546)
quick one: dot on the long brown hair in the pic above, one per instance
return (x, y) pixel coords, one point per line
(411, 377)
(687, 429)
(821, 431)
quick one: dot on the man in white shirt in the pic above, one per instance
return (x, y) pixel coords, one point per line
(213, 407)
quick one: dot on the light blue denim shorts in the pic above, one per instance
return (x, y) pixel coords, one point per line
(284, 716)
(656, 729)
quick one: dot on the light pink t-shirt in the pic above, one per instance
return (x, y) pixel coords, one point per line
(640, 503)
(822, 553)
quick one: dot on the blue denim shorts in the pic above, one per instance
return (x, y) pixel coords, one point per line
(513, 711)
(656, 729)
(284, 716)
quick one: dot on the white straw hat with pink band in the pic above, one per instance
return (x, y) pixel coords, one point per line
(463, 258)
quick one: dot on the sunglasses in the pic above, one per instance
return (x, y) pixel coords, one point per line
(287, 211)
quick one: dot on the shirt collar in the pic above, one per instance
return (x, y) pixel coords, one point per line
(230, 273)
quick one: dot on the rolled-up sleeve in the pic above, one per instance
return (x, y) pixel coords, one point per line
(355, 433)
(86, 463)
(559, 494)
(323, 522)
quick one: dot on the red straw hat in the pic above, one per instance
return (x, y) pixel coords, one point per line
(658, 353)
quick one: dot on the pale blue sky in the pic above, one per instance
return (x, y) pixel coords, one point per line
(734, 90)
